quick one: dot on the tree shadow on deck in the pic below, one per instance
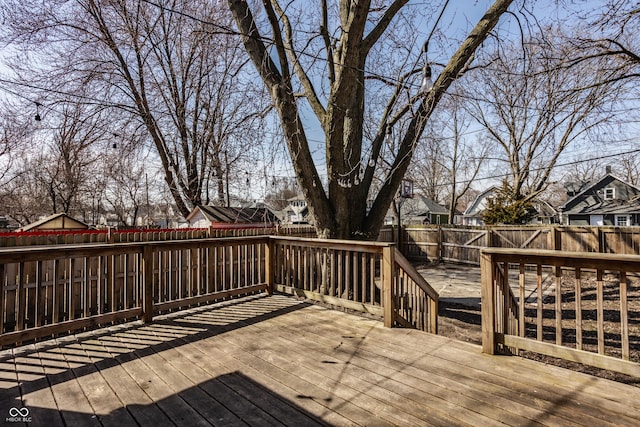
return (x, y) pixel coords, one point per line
(82, 354)
(229, 399)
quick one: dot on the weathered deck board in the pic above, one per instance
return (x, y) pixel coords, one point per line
(277, 361)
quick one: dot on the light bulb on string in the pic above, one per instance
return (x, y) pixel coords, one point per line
(37, 117)
(427, 83)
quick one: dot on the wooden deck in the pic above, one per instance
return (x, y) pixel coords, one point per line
(276, 360)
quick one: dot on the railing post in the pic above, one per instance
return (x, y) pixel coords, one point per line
(269, 267)
(147, 283)
(488, 304)
(440, 247)
(556, 238)
(388, 265)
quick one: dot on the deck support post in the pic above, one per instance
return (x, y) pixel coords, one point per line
(269, 265)
(388, 264)
(488, 303)
(147, 283)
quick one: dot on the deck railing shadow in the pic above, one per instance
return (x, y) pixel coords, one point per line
(108, 347)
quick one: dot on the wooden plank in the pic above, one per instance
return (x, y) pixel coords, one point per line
(388, 275)
(21, 298)
(600, 310)
(69, 325)
(521, 302)
(574, 355)
(537, 382)
(185, 302)
(530, 239)
(578, 308)
(470, 241)
(338, 302)
(483, 375)
(624, 316)
(540, 307)
(148, 283)
(488, 303)
(71, 400)
(558, 305)
(503, 237)
(158, 386)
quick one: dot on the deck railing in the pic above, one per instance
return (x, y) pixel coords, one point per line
(582, 307)
(49, 290)
(369, 277)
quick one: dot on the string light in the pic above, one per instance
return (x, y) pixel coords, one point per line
(37, 117)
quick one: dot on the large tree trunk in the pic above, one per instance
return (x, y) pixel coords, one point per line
(342, 212)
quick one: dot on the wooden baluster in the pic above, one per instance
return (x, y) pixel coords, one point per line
(558, 311)
(521, 323)
(333, 271)
(540, 307)
(578, 298)
(600, 310)
(269, 260)
(388, 265)
(624, 316)
(86, 287)
(148, 282)
(340, 255)
(488, 323)
(41, 293)
(21, 298)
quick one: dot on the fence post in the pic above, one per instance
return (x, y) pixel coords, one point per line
(269, 267)
(488, 303)
(388, 264)
(556, 238)
(440, 247)
(147, 283)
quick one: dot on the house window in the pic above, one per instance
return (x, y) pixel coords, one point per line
(623, 220)
(609, 193)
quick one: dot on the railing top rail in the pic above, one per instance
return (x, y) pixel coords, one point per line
(417, 277)
(48, 252)
(564, 258)
(353, 245)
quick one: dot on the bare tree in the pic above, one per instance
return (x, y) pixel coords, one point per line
(318, 58)
(447, 164)
(68, 160)
(177, 74)
(609, 31)
(533, 108)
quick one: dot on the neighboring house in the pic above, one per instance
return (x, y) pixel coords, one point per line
(473, 214)
(419, 210)
(212, 216)
(56, 222)
(297, 211)
(608, 201)
(546, 213)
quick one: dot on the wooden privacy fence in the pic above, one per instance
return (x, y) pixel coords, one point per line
(32, 238)
(461, 244)
(575, 306)
(47, 290)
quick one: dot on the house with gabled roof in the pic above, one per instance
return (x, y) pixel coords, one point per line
(419, 210)
(213, 216)
(473, 214)
(607, 201)
(56, 222)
